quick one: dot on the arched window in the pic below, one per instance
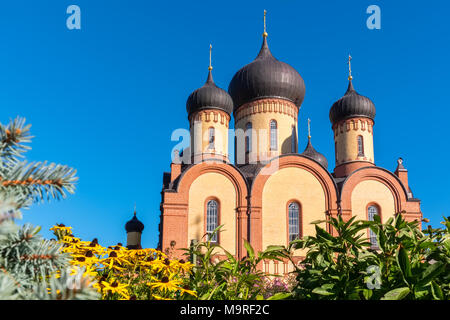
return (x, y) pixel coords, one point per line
(211, 138)
(248, 137)
(360, 146)
(372, 211)
(294, 140)
(273, 135)
(212, 219)
(294, 221)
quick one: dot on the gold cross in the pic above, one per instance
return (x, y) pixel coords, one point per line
(309, 128)
(350, 67)
(210, 49)
(265, 34)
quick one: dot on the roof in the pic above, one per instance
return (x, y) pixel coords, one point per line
(209, 96)
(351, 105)
(266, 77)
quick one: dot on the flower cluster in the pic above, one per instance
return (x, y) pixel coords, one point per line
(274, 285)
(127, 274)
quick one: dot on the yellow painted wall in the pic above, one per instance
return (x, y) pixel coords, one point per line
(281, 187)
(207, 185)
(200, 133)
(260, 150)
(369, 191)
(347, 145)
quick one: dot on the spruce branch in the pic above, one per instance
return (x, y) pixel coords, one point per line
(38, 181)
(8, 288)
(12, 139)
(68, 286)
(30, 266)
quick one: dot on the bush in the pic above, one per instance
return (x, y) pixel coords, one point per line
(231, 279)
(408, 263)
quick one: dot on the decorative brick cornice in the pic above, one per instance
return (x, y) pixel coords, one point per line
(267, 105)
(355, 124)
(210, 115)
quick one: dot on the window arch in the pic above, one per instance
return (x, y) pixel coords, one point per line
(293, 221)
(273, 135)
(212, 220)
(360, 146)
(211, 137)
(248, 137)
(372, 211)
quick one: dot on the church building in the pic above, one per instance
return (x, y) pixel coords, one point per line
(270, 193)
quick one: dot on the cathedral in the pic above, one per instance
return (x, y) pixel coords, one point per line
(270, 193)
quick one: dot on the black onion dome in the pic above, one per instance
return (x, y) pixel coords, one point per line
(311, 153)
(134, 225)
(209, 96)
(266, 77)
(352, 104)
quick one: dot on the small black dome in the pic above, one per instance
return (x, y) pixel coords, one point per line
(311, 153)
(266, 77)
(352, 105)
(134, 225)
(209, 96)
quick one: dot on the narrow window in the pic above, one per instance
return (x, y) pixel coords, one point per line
(211, 139)
(248, 137)
(371, 212)
(360, 146)
(273, 135)
(294, 140)
(336, 152)
(212, 219)
(294, 221)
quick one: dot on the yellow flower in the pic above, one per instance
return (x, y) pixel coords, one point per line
(160, 298)
(85, 259)
(62, 227)
(185, 266)
(116, 287)
(115, 261)
(185, 289)
(166, 284)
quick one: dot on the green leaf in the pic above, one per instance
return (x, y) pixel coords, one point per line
(404, 264)
(420, 292)
(367, 293)
(436, 291)
(280, 296)
(396, 294)
(323, 234)
(432, 271)
(377, 218)
(250, 251)
(322, 292)
(274, 248)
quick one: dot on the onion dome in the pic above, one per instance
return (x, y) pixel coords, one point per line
(311, 153)
(351, 105)
(266, 77)
(134, 225)
(209, 96)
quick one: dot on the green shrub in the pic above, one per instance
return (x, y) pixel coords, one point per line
(407, 264)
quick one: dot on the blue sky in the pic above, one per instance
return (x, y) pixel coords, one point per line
(105, 99)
